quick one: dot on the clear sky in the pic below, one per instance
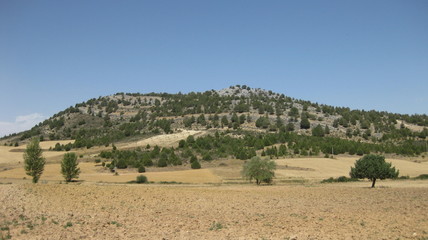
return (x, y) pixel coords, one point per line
(358, 54)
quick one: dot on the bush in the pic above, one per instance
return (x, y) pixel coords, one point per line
(162, 162)
(121, 164)
(195, 165)
(141, 179)
(422, 177)
(207, 157)
(141, 169)
(193, 159)
(97, 160)
(339, 179)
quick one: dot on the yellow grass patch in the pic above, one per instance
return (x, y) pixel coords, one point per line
(320, 168)
(92, 172)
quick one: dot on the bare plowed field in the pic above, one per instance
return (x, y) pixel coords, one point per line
(334, 211)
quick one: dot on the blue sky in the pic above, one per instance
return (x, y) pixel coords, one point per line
(359, 54)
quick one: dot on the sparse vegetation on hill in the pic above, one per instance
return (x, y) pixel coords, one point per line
(239, 109)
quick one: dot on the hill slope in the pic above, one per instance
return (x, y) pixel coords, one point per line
(238, 109)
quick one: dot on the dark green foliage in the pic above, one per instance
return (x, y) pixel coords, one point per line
(34, 162)
(69, 169)
(304, 123)
(193, 159)
(207, 156)
(294, 112)
(195, 165)
(289, 127)
(141, 169)
(339, 179)
(141, 179)
(262, 170)
(373, 167)
(263, 122)
(422, 177)
(201, 120)
(121, 163)
(224, 121)
(164, 124)
(318, 131)
(182, 143)
(163, 160)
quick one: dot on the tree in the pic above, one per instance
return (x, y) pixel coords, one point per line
(262, 170)
(318, 131)
(69, 167)
(195, 165)
(304, 123)
(373, 167)
(34, 160)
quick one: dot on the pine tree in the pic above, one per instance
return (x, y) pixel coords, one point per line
(34, 160)
(69, 167)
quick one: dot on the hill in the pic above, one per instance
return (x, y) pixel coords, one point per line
(240, 122)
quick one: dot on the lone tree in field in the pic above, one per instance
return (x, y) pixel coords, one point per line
(262, 170)
(69, 167)
(373, 167)
(33, 160)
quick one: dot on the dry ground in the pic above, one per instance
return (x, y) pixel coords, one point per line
(332, 211)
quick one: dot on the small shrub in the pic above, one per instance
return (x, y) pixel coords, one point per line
(195, 165)
(141, 179)
(121, 164)
(339, 179)
(162, 162)
(207, 157)
(422, 177)
(141, 169)
(193, 159)
(403, 177)
(97, 160)
(216, 226)
(69, 224)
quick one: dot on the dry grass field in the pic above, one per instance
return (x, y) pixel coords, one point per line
(12, 156)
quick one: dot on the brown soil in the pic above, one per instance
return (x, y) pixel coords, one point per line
(332, 211)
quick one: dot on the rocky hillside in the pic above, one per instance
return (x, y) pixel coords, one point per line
(238, 109)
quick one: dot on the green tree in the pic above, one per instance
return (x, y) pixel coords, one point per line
(224, 121)
(262, 170)
(33, 160)
(373, 167)
(195, 165)
(304, 123)
(318, 131)
(69, 167)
